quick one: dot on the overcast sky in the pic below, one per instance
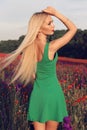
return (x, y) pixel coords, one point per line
(15, 14)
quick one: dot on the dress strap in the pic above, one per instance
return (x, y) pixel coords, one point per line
(45, 54)
(46, 51)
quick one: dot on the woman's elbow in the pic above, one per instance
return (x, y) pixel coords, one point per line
(74, 29)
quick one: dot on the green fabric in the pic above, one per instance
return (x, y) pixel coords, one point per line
(47, 100)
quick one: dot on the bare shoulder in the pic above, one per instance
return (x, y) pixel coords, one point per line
(51, 51)
(52, 47)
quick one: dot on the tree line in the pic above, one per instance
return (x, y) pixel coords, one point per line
(76, 48)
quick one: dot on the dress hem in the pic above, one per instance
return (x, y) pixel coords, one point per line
(31, 120)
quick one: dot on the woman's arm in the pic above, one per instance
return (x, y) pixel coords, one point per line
(60, 42)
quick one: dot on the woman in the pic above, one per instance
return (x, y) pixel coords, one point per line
(38, 59)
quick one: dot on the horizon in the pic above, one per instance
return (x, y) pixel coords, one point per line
(24, 34)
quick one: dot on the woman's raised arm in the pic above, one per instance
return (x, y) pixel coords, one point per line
(60, 42)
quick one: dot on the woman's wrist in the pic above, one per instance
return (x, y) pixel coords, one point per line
(61, 16)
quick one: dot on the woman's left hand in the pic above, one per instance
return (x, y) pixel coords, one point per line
(50, 10)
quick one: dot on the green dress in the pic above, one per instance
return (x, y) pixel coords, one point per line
(47, 100)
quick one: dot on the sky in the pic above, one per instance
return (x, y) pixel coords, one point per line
(15, 14)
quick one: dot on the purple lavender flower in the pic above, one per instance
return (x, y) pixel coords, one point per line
(67, 123)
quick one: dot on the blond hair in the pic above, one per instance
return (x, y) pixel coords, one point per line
(27, 64)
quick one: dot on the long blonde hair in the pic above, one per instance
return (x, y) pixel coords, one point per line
(27, 64)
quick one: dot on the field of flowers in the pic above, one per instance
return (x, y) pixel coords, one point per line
(14, 98)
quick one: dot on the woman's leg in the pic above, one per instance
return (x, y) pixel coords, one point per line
(38, 125)
(51, 125)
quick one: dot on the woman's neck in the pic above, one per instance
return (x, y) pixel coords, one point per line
(41, 38)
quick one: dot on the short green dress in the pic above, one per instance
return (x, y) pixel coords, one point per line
(47, 100)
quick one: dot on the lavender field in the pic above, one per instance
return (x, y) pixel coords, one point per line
(14, 98)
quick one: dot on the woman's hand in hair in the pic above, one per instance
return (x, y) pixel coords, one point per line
(50, 10)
